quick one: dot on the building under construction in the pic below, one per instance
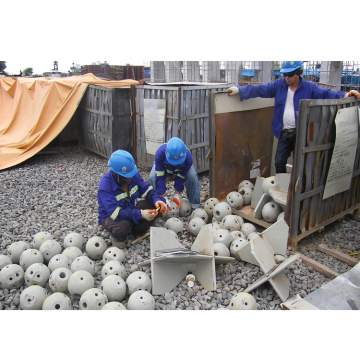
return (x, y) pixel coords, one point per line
(114, 72)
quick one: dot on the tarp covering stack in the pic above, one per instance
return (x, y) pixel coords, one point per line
(33, 111)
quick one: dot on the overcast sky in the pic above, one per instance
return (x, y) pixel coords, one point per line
(37, 32)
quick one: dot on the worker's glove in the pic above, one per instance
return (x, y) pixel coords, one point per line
(162, 207)
(233, 90)
(353, 93)
(176, 200)
(148, 215)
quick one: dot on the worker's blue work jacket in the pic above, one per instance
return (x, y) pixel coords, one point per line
(163, 169)
(115, 202)
(278, 89)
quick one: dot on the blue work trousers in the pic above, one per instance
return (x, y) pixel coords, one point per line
(191, 184)
(284, 149)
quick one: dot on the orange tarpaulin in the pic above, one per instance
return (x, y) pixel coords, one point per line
(33, 111)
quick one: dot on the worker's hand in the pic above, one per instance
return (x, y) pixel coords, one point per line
(353, 93)
(162, 207)
(176, 200)
(148, 214)
(233, 90)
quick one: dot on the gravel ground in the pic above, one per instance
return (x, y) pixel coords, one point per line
(57, 194)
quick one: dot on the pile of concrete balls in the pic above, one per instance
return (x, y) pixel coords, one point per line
(71, 273)
(230, 232)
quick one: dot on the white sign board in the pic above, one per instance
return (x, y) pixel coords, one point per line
(343, 157)
(154, 122)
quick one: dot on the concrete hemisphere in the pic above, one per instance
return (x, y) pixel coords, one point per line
(49, 248)
(79, 282)
(57, 301)
(113, 267)
(253, 235)
(59, 280)
(185, 208)
(95, 247)
(39, 238)
(231, 223)
(238, 234)
(246, 192)
(33, 297)
(114, 287)
(11, 276)
(113, 253)
(29, 257)
(141, 300)
(215, 224)
(221, 210)
(83, 263)
(59, 261)
(175, 225)
(195, 225)
(247, 183)
(113, 305)
(237, 245)
(4, 261)
(269, 183)
(74, 239)
(247, 229)
(209, 205)
(93, 299)
(201, 213)
(37, 274)
(270, 211)
(222, 236)
(242, 301)
(174, 212)
(280, 216)
(15, 250)
(234, 199)
(221, 249)
(72, 252)
(138, 280)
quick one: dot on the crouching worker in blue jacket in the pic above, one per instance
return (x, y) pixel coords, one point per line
(174, 159)
(120, 212)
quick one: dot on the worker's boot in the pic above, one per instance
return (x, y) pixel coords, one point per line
(119, 244)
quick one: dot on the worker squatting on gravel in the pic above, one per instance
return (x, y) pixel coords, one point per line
(174, 159)
(119, 211)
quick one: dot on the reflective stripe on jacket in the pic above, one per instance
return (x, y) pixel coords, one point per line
(163, 169)
(115, 202)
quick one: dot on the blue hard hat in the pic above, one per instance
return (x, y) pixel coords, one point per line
(290, 66)
(175, 151)
(122, 163)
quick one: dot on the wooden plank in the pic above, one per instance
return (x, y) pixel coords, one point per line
(338, 255)
(140, 238)
(322, 269)
(247, 212)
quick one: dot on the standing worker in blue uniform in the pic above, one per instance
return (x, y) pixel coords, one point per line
(174, 159)
(119, 211)
(287, 92)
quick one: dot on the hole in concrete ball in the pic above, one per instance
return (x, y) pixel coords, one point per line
(141, 297)
(232, 304)
(99, 304)
(246, 304)
(84, 305)
(96, 294)
(38, 276)
(272, 205)
(217, 213)
(97, 244)
(27, 280)
(114, 255)
(57, 306)
(215, 253)
(105, 273)
(10, 278)
(62, 275)
(110, 268)
(31, 272)
(17, 274)
(102, 288)
(118, 284)
(81, 278)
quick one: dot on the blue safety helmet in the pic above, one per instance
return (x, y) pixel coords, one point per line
(290, 66)
(122, 163)
(175, 151)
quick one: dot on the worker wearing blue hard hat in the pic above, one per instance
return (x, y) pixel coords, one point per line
(174, 159)
(287, 92)
(120, 212)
